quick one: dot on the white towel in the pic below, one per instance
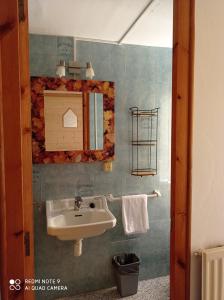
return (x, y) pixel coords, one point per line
(135, 214)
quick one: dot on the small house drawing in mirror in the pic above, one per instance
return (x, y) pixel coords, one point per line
(70, 119)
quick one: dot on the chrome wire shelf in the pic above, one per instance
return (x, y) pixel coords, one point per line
(144, 141)
(144, 172)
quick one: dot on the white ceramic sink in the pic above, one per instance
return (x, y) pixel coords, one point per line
(68, 224)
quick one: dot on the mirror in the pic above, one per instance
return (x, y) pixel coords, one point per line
(68, 118)
(96, 120)
(72, 120)
(63, 114)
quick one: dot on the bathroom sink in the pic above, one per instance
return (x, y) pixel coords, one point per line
(93, 218)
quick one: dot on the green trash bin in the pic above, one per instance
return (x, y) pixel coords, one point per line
(126, 267)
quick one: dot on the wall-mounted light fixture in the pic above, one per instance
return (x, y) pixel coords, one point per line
(74, 68)
(60, 70)
(89, 71)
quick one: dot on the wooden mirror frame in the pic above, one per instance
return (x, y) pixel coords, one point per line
(38, 86)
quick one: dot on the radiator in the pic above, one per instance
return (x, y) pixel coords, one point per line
(213, 274)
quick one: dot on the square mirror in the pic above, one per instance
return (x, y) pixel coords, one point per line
(72, 120)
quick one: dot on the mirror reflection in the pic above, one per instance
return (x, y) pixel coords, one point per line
(72, 121)
(96, 121)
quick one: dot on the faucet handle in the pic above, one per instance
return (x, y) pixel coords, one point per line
(78, 198)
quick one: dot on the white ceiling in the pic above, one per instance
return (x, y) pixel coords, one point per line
(104, 20)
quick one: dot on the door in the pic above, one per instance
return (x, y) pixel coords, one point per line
(15, 152)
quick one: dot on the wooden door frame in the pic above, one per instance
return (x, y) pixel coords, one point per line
(182, 115)
(16, 210)
(20, 129)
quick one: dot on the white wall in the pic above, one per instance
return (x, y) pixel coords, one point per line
(208, 134)
(85, 19)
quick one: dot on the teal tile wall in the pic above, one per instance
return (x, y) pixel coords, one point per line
(143, 77)
(46, 52)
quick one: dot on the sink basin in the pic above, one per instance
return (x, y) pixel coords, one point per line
(68, 224)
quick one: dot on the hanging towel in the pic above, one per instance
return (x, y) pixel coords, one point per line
(135, 214)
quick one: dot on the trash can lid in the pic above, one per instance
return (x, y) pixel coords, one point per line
(126, 259)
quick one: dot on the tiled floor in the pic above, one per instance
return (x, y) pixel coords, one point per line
(153, 289)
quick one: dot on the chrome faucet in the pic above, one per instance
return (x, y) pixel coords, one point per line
(77, 204)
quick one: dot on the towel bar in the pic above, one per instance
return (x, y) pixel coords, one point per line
(111, 198)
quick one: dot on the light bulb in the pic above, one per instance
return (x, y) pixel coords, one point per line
(89, 71)
(60, 71)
